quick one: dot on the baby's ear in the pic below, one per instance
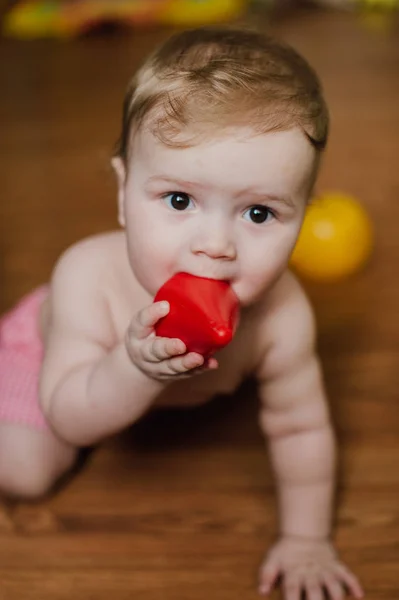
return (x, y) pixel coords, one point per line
(120, 172)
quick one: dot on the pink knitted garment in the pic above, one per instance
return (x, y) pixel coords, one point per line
(21, 355)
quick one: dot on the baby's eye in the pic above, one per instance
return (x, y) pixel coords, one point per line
(259, 214)
(178, 200)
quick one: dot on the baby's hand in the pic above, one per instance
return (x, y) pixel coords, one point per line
(161, 358)
(307, 566)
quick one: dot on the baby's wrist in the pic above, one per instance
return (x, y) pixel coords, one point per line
(132, 369)
(156, 384)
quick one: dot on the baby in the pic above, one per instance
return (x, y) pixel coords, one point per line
(220, 147)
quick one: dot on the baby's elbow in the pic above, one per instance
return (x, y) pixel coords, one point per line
(63, 424)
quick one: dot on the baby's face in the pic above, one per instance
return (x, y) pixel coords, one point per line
(227, 209)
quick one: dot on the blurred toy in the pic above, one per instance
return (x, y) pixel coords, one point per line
(203, 312)
(380, 4)
(336, 239)
(68, 18)
(379, 14)
(361, 4)
(375, 14)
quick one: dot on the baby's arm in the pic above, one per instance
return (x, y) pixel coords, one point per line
(295, 418)
(87, 378)
(91, 384)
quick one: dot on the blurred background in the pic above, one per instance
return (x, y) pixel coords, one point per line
(64, 67)
(64, 70)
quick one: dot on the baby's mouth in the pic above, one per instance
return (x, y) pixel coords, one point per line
(214, 276)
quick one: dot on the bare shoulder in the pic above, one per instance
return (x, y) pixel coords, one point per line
(289, 328)
(90, 257)
(81, 281)
(78, 328)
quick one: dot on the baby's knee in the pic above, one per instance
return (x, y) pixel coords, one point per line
(31, 462)
(30, 481)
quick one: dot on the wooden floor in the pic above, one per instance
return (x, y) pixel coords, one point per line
(182, 506)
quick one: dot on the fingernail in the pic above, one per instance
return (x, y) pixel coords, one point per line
(164, 305)
(196, 362)
(180, 347)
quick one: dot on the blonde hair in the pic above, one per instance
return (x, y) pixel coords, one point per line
(208, 79)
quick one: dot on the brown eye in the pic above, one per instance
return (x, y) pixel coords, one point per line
(178, 200)
(258, 214)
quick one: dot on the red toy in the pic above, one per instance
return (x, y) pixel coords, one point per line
(203, 312)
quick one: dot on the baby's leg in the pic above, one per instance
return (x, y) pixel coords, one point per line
(31, 460)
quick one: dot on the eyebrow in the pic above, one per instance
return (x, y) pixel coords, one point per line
(174, 181)
(181, 183)
(280, 199)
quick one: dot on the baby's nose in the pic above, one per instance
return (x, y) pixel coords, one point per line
(215, 242)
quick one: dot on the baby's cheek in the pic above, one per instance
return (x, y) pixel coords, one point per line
(151, 263)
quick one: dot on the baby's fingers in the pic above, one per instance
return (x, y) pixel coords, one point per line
(182, 364)
(268, 577)
(350, 581)
(143, 323)
(158, 349)
(292, 587)
(333, 587)
(313, 588)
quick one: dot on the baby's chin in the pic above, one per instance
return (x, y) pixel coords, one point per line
(245, 297)
(249, 296)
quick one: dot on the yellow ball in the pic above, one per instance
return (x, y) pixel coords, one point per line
(336, 238)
